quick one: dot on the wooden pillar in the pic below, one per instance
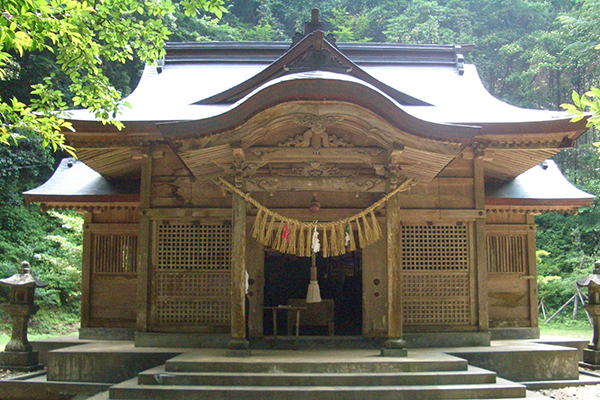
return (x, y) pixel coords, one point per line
(238, 344)
(144, 247)
(480, 246)
(255, 264)
(86, 271)
(532, 274)
(394, 346)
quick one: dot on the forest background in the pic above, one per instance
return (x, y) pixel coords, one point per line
(530, 53)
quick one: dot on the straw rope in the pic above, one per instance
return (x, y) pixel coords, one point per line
(299, 240)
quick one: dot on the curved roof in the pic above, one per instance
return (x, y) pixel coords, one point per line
(543, 184)
(73, 181)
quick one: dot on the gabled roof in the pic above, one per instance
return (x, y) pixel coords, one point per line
(313, 52)
(215, 94)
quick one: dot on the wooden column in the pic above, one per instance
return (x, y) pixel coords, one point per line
(255, 264)
(86, 271)
(533, 287)
(480, 267)
(238, 341)
(394, 346)
(144, 247)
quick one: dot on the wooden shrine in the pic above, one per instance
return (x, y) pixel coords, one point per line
(428, 187)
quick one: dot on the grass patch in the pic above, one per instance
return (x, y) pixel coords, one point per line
(48, 322)
(565, 325)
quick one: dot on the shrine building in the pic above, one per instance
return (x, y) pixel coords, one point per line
(421, 187)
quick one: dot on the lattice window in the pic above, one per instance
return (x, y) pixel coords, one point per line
(192, 277)
(114, 254)
(207, 284)
(193, 312)
(428, 285)
(507, 254)
(442, 247)
(436, 312)
(194, 246)
(436, 284)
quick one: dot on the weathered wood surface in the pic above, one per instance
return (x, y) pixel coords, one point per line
(375, 293)
(111, 300)
(238, 269)
(394, 271)
(480, 267)
(144, 249)
(255, 262)
(86, 271)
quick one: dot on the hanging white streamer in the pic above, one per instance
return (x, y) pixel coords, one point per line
(316, 244)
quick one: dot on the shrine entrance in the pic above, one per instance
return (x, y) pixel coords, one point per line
(340, 281)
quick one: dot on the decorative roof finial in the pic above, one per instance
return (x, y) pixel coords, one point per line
(314, 24)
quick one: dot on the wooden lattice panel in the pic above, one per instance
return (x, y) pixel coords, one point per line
(194, 246)
(114, 254)
(193, 312)
(434, 247)
(507, 254)
(437, 312)
(436, 284)
(192, 276)
(206, 284)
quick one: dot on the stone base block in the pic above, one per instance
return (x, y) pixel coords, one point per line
(238, 353)
(591, 357)
(394, 352)
(20, 361)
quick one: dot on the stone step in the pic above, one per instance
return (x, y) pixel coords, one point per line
(158, 376)
(502, 389)
(316, 361)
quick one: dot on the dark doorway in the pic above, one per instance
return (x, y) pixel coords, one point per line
(340, 278)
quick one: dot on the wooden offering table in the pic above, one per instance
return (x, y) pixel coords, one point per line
(288, 309)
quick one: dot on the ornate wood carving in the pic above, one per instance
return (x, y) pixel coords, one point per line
(302, 154)
(315, 169)
(329, 184)
(316, 137)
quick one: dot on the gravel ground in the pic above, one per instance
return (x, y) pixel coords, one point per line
(589, 392)
(5, 373)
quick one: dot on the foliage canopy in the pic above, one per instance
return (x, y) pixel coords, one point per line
(82, 37)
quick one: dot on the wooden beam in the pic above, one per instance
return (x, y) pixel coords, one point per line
(303, 154)
(358, 184)
(189, 213)
(421, 215)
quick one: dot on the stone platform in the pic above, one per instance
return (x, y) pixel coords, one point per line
(93, 366)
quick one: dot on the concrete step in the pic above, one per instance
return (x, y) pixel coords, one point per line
(159, 376)
(502, 389)
(315, 361)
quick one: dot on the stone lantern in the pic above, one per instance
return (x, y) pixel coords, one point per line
(18, 354)
(591, 355)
